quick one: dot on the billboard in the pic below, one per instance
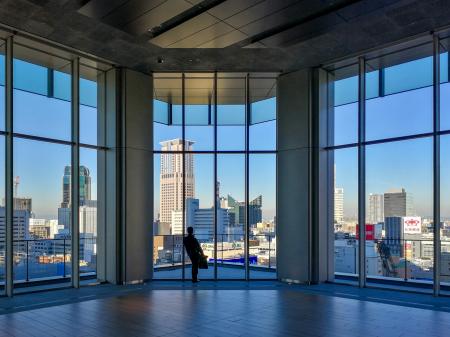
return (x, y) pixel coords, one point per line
(412, 224)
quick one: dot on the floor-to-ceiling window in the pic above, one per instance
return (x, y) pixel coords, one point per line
(388, 141)
(39, 143)
(214, 170)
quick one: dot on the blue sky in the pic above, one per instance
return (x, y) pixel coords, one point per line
(40, 165)
(406, 110)
(230, 136)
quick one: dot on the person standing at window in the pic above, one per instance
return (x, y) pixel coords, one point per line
(194, 251)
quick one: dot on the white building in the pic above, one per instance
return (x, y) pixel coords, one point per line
(51, 224)
(375, 208)
(338, 205)
(171, 178)
(201, 219)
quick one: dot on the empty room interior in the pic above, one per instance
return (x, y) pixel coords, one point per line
(225, 168)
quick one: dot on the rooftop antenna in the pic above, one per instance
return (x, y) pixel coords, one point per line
(16, 185)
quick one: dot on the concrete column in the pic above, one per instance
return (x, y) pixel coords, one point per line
(137, 176)
(302, 199)
(125, 182)
(108, 205)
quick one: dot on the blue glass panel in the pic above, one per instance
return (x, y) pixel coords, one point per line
(263, 111)
(372, 84)
(88, 92)
(177, 115)
(2, 69)
(443, 64)
(88, 125)
(62, 85)
(30, 77)
(231, 114)
(346, 91)
(409, 75)
(160, 111)
(197, 114)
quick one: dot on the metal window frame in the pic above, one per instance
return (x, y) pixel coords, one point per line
(362, 143)
(75, 146)
(215, 152)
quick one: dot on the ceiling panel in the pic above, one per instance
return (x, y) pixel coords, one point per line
(225, 40)
(258, 11)
(303, 32)
(232, 7)
(98, 8)
(157, 16)
(288, 14)
(184, 30)
(131, 11)
(203, 36)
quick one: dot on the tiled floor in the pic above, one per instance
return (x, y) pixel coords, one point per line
(231, 309)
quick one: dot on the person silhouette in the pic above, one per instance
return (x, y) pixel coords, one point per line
(194, 251)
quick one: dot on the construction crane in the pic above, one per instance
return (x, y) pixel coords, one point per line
(389, 267)
(16, 185)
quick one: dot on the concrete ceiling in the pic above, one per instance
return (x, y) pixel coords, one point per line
(226, 35)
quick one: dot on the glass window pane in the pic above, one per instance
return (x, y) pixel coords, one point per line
(2, 86)
(37, 111)
(61, 85)
(89, 105)
(403, 251)
(345, 114)
(231, 114)
(345, 213)
(230, 243)
(444, 87)
(407, 96)
(263, 111)
(88, 211)
(199, 110)
(167, 110)
(168, 191)
(445, 210)
(199, 209)
(2, 215)
(409, 75)
(41, 210)
(262, 218)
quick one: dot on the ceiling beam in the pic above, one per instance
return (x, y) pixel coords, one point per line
(301, 20)
(183, 17)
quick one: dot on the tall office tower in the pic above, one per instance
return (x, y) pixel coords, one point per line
(86, 203)
(85, 186)
(397, 202)
(376, 208)
(338, 204)
(171, 178)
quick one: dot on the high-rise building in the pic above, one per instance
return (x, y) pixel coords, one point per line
(88, 207)
(398, 203)
(85, 186)
(236, 210)
(338, 204)
(375, 208)
(171, 178)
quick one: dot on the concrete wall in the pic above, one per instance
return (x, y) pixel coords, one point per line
(137, 175)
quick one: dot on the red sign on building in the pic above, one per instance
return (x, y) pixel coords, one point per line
(370, 232)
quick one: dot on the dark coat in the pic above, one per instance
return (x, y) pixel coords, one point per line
(192, 246)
